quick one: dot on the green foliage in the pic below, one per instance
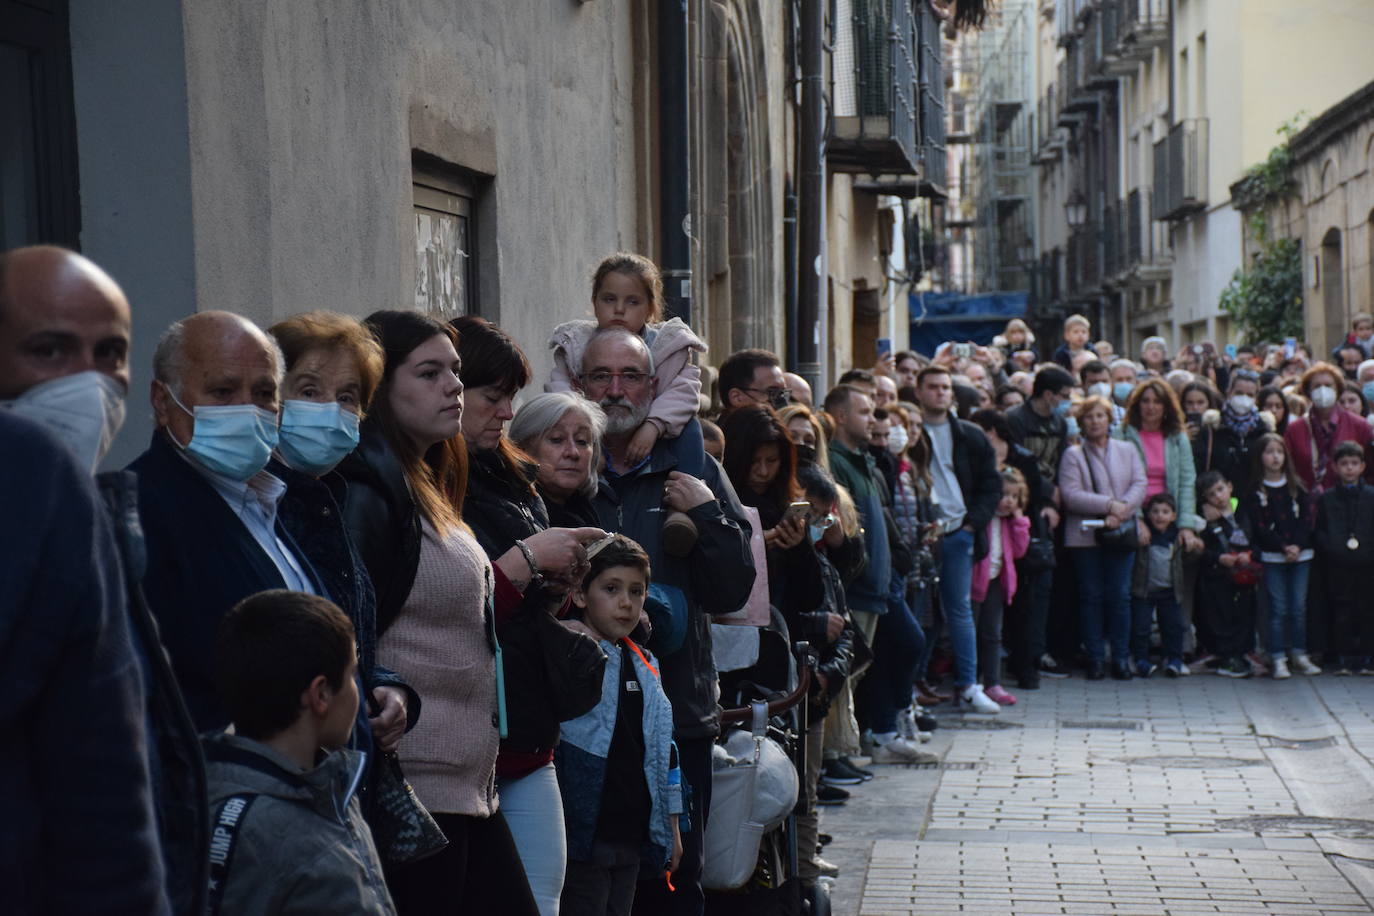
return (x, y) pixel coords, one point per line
(1266, 300)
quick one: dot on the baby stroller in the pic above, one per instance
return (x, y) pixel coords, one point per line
(750, 860)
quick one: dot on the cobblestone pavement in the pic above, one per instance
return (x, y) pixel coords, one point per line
(1197, 795)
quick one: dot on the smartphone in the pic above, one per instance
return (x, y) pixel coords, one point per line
(1230, 351)
(884, 348)
(1290, 347)
(963, 350)
(799, 509)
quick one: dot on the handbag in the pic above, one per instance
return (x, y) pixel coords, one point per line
(402, 826)
(1039, 555)
(1125, 536)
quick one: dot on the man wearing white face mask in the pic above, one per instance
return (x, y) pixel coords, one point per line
(64, 343)
(1312, 439)
(208, 507)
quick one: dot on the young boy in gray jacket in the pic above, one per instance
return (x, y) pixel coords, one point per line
(288, 834)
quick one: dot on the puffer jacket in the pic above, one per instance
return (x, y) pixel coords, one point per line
(287, 841)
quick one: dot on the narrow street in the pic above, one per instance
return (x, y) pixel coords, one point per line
(1198, 795)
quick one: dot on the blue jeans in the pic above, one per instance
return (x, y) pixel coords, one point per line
(956, 578)
(1164, 605)
(534, 811)
(1287, 587)
(897, 650)
(1104, 596)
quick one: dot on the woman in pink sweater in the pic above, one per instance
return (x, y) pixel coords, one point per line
(994, 579)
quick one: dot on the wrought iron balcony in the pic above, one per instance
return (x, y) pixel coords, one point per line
(1147, 247)
(874, 127)
(1181, 170)
(1141, 27)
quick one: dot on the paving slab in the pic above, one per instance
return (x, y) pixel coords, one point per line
(1186, 796)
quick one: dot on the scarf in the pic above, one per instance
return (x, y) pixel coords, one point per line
(1240, 424)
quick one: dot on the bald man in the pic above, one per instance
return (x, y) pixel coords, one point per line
(800, 388)
(208, 507)
(64, 343)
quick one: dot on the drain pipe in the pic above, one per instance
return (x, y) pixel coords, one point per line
(674, 163)
(811, 266)
(789, 270)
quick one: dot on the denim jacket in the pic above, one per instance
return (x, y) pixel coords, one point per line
(580, 761)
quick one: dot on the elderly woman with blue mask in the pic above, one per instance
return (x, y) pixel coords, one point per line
(333, 367)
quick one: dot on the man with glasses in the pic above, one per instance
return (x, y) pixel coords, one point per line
(714, 577)
(752, 377)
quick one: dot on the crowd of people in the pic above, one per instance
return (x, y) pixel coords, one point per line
(371, 626)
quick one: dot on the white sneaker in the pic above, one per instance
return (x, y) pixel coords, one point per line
(980, 701)
(1281, 671)
(1303, 664)
(899, 750)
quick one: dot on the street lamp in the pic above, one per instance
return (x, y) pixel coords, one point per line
(1076, 211)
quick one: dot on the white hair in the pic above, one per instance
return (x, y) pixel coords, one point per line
(1367, 364)
(539, 414)
(619, 333)
(169, 357)
(1122, 362)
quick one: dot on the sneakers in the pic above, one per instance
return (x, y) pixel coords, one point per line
(824, 868)
(1302, 664)
(899, 750)
(1051, 668)
(834, 773)
(926, 723)
(1144, 668)
(999, 696)
(842, 772)
(1257, 666)
(1204, 663)
(679, 534)
(1365, 671)
(1281, 672)
(909, 729)
(1235, 667)
(974, 696)
(1341, 670)
(1174, 667)
(1121, 671)
(830, 795)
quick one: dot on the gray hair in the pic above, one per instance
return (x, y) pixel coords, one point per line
(539, 414)
(616, 332)
(1122, 362)
(1367, 364)
(169, 357)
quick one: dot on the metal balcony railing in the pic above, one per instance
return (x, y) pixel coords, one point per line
(1180, 170)
(1136, 235)
(874, 128)
(1141, 26)
(931, 139)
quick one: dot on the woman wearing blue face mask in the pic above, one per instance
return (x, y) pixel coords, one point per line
(333, 366)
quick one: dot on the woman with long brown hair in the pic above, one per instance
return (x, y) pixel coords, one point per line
(1155, 425)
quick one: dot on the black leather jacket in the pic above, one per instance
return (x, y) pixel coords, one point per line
(383, 521)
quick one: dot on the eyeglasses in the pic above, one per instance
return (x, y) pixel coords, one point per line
(778, 397)
(628, 379)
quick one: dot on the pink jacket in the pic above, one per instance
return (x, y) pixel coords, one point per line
(1120, 473)
(1015, 540)
(671, 343)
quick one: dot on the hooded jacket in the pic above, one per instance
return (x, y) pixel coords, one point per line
(287, 841)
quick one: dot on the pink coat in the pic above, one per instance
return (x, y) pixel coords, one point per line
(671, 343)
(1015, 540)
(1120, 472)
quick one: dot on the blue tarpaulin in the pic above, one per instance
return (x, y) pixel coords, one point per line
(938, 317)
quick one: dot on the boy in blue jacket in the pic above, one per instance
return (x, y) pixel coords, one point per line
(616, 764)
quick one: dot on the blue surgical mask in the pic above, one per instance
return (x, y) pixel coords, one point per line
(1368, 391)
(1071, 427)
(816, 532)
(1122, 391)
(316, 436)
(1062, 408)
(233, 439)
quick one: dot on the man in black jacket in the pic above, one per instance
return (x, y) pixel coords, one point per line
(714, 578)
(55, 301)
(966, 485)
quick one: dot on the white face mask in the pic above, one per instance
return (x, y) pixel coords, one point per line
(1100, 389)
(1323, 396)
(1242, 403)
(896, 439)
(84, 410)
